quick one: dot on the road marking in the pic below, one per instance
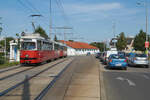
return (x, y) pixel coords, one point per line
(145, 76)
(124, 79)
(120, 78)
(131, 83)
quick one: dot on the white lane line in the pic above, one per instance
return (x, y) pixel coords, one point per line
(131, 83)
(145, 76)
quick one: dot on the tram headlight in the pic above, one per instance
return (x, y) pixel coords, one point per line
(27, 55)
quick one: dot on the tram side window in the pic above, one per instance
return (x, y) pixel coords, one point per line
(44, 46)
(62, 47)
(56, 46)
(65, 48)
(39, 45)
(50, 46)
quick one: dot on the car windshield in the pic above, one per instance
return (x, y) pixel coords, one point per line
(28, 46)
(141, 55)
(118, 57)
(127, 55)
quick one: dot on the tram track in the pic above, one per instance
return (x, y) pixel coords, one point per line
(11, 75)
(29, 78)
(9, 69)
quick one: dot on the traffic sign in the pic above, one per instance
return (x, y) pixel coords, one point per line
(146, 44)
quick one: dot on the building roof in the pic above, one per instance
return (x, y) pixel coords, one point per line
(78, 45)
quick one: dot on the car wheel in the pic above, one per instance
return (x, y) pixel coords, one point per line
(125, 68)
(147, 66)
(108, 67)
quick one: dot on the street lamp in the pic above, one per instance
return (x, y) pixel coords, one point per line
(146, 14)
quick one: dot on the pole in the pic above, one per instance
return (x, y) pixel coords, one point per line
(146, 9)
(1, 26)
(114, 26)
(50, 23)
(104, 45)
(5, 47)
(146, 13)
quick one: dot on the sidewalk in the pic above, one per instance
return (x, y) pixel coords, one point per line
(80, 81)
(85, 82)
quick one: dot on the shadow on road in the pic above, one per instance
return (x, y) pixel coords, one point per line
(26, 89)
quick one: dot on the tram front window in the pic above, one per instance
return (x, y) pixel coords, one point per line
(28, 46)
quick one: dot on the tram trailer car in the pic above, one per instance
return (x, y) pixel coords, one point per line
(36, 49)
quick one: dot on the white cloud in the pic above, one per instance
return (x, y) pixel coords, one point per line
(99, 11)
(91, 8)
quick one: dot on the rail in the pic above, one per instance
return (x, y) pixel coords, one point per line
(29, 78)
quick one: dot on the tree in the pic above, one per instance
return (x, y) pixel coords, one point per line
(122, 42)
(8, 39)
(139, 41)
(71, 40)
(55, 38)
(18, 40)
(100, 45)
(41, 31)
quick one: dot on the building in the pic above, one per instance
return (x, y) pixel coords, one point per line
(79, 48)
(129, 47)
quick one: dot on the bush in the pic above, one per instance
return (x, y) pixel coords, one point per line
(2, 60)
(8, 64)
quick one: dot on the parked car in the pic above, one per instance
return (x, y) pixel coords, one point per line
(97, 55)
(138, 59)
(127, 56)
(117, 61)
(107, 54)
(102, 56)
(121, 53)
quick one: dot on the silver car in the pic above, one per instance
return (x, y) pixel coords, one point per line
(138, 59)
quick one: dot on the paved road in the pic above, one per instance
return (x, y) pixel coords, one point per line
(133, 84)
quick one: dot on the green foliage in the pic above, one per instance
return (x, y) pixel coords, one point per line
(8, 64)
(122, 42)
(18, 40)
(2, 60)
(99, 45)
(17, 35)
(8, 39)
(41, 31)
(55, 38)
(71, 40)
(139, 41)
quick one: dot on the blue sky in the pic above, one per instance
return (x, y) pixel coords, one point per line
(91, 19)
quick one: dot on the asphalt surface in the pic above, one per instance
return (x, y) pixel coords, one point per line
(133, 84)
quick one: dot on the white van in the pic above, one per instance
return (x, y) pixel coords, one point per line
(107, 54)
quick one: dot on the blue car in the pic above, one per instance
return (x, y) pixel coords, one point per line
(117, 61)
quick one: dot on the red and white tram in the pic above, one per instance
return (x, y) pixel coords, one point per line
(36, 49)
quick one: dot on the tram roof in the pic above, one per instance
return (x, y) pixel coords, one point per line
(32, 36)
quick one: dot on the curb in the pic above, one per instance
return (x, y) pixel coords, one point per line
(102, 89)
